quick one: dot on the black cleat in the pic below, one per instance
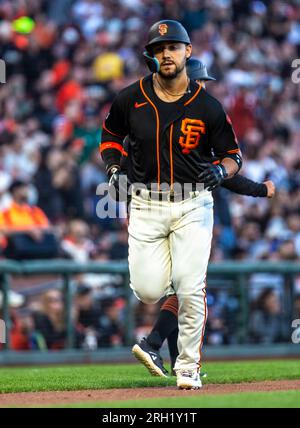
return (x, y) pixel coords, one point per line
(150, 358)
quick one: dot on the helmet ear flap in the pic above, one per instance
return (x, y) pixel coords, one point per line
(152, 62)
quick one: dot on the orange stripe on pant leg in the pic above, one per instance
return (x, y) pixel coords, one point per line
(203, 328)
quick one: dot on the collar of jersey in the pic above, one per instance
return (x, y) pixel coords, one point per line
(194, 87)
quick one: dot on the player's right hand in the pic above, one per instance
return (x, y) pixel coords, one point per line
(117, 185)
(113, 176)
(271, 189)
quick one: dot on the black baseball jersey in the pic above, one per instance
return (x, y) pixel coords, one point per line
(168, 141)
(237, 184)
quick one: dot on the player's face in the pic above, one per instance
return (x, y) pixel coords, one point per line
(172, 58)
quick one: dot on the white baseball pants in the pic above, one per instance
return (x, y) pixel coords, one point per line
(170, 242)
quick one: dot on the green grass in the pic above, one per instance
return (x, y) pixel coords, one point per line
(72, 378)
(68, 378)
(281, 399)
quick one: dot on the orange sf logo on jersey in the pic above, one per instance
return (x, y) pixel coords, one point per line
(162, 29)
(192, 130)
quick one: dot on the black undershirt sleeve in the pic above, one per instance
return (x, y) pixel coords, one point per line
(244, 186)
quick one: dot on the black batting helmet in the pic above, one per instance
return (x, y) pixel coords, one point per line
(196, 70)
(167, 31)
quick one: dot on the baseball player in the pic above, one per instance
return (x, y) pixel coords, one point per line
(166, 326)
(173, 123)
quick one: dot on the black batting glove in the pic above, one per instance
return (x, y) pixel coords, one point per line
(212, 175)
(119, 182)
(113, 176)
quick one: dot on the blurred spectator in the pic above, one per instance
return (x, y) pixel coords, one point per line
(87, 317)
(110, 323)
(57, 181)
(26, 227)
(215, 331)
(98, 321)
(20, 215)
(145, 318)
(296, 314)
(49, 196)
(92, 174)
(222, 322)
(76, 244)
(76, 55)
(49, 321)
(64, 72)
(119, 249)
(19, 329)
(267, 323)
(5, 198)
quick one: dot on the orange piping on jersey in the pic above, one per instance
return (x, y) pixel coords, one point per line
(113, 145)
(110, 132)
(157, 131)
(233, 151)
(171, 155)
(216, 162)
(194, 96)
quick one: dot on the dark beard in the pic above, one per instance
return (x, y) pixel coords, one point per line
(178, 70)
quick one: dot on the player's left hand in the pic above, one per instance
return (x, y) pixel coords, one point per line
(212, 175)
(271, 189)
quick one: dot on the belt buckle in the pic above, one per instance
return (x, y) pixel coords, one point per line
(169, 197)
(159, 196)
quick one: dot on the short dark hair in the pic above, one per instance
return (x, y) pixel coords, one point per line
(83, 290)
(16, 184)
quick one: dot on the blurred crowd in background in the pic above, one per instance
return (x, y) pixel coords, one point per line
(65, 62)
